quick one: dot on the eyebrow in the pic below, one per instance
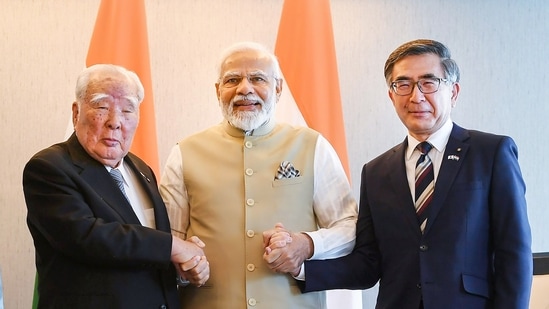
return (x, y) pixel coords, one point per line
(252, 73)
(429, 75)
(98, 97)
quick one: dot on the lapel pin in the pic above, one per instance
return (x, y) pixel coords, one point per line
(453, 157)
(148, 180)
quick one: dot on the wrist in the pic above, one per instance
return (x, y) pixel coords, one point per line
(309, 245)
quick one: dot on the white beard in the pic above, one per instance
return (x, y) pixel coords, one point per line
(248, 120)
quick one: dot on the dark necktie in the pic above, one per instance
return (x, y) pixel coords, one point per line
(425, 183)
(117, 176)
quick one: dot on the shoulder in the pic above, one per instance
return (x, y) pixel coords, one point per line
(215, 130)
(56, 154)
(297, 130)
(486, 140)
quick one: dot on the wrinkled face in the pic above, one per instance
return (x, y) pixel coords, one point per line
(106, 121)
(423, 114)
(247, 91)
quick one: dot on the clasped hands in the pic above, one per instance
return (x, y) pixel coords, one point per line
(189, 260)
(285, 251)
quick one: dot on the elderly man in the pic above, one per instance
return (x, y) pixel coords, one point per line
(237, 179)
(100, 228)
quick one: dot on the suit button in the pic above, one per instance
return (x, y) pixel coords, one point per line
(163, 307)
(418, 286)
(423, 247)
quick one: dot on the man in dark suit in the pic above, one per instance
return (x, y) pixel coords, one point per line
(464, 243)
(100, 244)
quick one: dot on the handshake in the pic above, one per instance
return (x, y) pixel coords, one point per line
(189, 260)
(284, 252)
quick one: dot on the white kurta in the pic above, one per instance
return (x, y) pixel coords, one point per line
(220, 185)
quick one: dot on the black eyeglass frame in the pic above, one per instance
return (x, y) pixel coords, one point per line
(419, 84)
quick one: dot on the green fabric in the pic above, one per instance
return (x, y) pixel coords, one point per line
(35, 295)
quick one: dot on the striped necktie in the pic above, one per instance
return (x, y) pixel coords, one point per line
(425, 183)
(117, 177)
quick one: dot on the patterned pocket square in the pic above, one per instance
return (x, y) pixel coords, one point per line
(286, 170)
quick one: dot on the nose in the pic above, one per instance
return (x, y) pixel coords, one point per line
(245, 86)
(417, 96)
(114, 120)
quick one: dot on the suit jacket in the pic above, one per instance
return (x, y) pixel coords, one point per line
(91, 250)
(475, 251)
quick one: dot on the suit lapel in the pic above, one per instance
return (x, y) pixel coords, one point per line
(399, 183)
(454, 156)
(96, 175)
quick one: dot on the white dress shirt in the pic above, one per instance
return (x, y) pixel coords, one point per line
(141, 203)
(438, 140)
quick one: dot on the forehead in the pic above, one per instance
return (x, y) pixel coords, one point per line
(116, 86)
(417, 66)
(245, 62)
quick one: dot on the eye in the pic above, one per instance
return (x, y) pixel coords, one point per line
(258, 79)
(403, 84)
(232, 80)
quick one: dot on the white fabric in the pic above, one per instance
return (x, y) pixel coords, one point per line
(439, 140)
(331, 195)
(1, 293)
(141, 204)
(287, 111)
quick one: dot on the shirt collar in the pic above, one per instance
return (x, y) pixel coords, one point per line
(439, 139)
(264, 129)
(119, 167)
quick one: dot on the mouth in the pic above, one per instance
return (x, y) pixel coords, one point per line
(111, 142)
(246, 105)
(419, 112)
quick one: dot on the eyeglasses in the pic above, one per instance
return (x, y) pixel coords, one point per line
(425, 85)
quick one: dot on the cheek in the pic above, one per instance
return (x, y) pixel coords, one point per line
(130, 124)
(225, 94)
(265, 94)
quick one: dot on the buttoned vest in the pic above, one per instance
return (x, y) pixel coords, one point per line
(234, 197)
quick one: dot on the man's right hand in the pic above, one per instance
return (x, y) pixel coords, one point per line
(190, 261)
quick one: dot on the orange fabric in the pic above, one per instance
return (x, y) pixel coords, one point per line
(306, 51)
(120, 37)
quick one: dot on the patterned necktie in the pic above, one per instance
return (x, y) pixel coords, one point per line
(117, 176)
(425, 183)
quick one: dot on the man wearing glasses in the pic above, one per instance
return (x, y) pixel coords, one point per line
(441, 227)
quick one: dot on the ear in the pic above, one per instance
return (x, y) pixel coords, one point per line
(455, 94)
(75, 113)
(278, 89)
(391, 95)
(217, 91)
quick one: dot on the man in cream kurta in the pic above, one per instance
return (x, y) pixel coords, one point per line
(229, 183)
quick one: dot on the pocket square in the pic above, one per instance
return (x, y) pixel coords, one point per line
(286, 170)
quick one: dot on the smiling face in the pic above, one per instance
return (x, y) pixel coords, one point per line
(423, 114)
(247, 91)
(106, 120)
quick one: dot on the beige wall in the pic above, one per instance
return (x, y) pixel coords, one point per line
(501, 46)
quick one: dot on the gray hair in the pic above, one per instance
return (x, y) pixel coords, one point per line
(250, 46)
(96, 72)
(421, 47)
